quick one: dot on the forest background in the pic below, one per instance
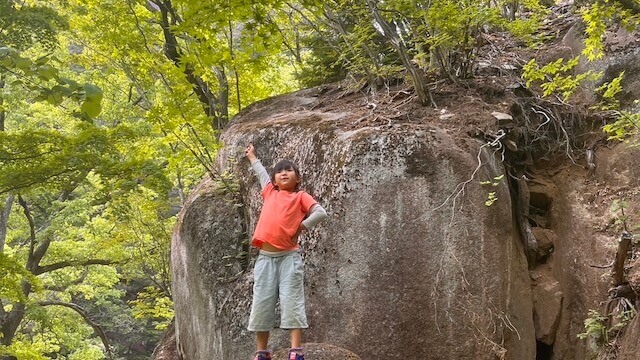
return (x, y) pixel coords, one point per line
(110, 113)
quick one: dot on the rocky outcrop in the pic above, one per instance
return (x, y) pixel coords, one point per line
(210, 284)
(167, 349)
(410, 262)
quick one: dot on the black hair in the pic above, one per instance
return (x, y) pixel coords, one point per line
(285, 165)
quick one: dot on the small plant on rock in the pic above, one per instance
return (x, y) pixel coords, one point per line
(491, 196)
(596, 332)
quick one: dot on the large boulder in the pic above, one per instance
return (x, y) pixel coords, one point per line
(410, 262)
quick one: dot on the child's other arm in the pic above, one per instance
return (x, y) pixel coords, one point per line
(258, 168)
(317, 214)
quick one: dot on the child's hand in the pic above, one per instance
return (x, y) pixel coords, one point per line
(295, 237)
(250, 152)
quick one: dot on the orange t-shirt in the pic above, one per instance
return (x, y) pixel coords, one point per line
(281, 215)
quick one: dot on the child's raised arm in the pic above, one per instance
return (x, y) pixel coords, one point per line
(263, 175)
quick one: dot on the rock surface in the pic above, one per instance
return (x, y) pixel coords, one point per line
(411, 260)
(319, 351)
(167, 349)
(410, 248)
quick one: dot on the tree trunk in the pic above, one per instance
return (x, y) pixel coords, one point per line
(5, 210)
(223, 98)
(9, 324)
(621, 256)
(3, 114)
(390, 32)
(172, 52)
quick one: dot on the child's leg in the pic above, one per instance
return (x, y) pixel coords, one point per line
(296, 351)
(292, 304)
(296, 338)
(262, 338)
(265, 295)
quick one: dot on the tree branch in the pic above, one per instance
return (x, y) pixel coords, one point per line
(624, 243)
(4, 220)
(87, 319)
(32, 231)
(37, 181)
(390, 32)
(172, 52)
(64, 264)
(3, 113)
(63, 287)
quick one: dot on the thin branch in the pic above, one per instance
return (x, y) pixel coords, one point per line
(87, 319)
(603, 266)
(32, 230)
(207, 165)
(460, 188)
(29, 157)
(37, 181)
(63, 287)
(144, 37)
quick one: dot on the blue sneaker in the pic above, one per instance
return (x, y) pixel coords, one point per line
(296, 354)
(263, 355)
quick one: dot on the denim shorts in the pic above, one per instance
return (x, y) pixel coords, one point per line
(278, 276)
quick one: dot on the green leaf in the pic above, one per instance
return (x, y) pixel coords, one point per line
(91, 108)
(22, 63)
(92, 93)
(47, 72)
(69, 82)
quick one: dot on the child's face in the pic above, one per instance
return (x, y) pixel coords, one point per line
(286, 179)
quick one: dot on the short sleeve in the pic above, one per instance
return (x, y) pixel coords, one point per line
(306, 202)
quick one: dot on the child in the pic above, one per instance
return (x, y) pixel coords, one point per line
(278, 272)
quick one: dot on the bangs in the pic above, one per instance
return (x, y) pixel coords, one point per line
(285, 165)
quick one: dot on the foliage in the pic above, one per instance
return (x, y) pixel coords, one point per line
(597, 17)
(29, 24)
(69, 171)
(527, 27)
(25, 350)
(626, 125)
(600, 330)
(491, 196)
(609, 91)
(440, 36)
(595, 328)
(154, 304)
(556, 77)
(13, 274)
(45, 81)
